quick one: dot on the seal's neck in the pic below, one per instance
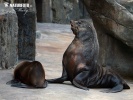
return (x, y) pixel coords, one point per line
(85, 36)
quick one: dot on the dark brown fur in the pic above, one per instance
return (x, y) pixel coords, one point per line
(80, 62)
(29, 74)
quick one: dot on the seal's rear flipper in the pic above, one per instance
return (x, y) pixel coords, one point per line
(126, 86)
(45, 84)
(117, 88)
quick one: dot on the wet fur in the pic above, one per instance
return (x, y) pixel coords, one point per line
(29, 75)
(80, 62)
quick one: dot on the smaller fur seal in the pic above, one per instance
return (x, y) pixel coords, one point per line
(29, 74)
(80, 62)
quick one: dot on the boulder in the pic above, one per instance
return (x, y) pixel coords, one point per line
(113, 21)
(8, 37)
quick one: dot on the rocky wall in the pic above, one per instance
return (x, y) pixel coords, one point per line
(8, 37)
(65, 10)
(113, 21)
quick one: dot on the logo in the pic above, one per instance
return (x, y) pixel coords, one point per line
(18, 5)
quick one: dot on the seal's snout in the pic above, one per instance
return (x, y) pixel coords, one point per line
(71, 21)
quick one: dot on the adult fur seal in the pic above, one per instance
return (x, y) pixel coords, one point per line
(29, 74)
(80, 62)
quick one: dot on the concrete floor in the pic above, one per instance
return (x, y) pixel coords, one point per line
(50, 47)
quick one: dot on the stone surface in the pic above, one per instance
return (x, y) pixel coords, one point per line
(113, 20)
(50, 47)
(8, 37)
(27, 31)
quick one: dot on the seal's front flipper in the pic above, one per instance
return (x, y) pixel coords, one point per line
(57, 80)
(79, 86)
(117, 88)
(80, 80)
(20, 85)
(12, 82)
(16, 83)
(61, 79)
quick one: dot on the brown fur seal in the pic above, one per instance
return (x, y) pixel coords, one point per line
(80, 62)
(29, 74)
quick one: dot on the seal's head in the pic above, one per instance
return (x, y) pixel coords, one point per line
(80, 26)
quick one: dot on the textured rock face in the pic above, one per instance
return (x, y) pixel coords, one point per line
(8, 37)
(113, 20)
(27, 31)
(65, 10)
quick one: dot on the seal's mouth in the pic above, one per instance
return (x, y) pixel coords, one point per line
(73, 26)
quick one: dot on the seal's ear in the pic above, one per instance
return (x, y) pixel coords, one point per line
(45, 84)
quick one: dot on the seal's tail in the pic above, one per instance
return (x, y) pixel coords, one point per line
(125, 86)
